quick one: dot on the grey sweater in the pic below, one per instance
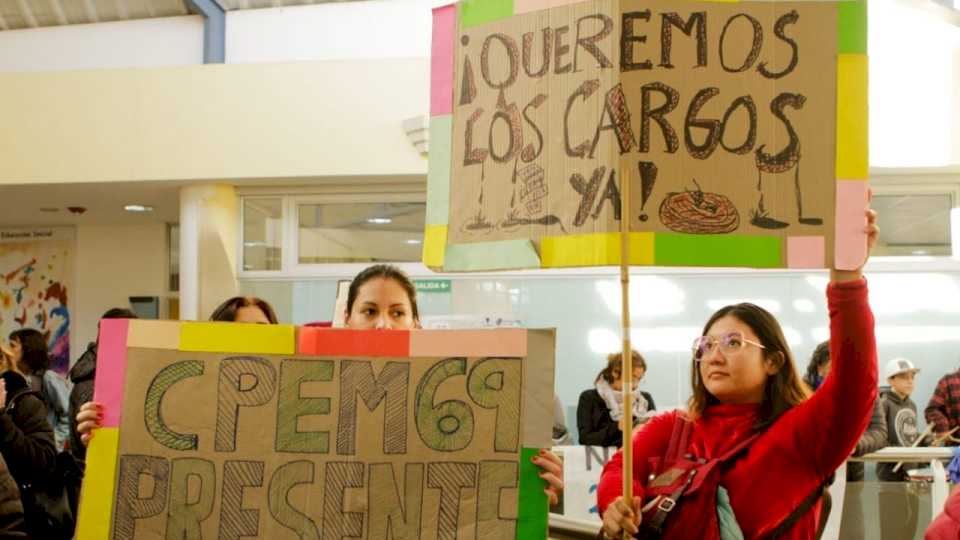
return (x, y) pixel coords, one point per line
(901, 416)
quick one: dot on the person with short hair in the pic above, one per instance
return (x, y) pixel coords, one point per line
(600, 410)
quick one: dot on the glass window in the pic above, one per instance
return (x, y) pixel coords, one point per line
(360, 232)
(262, 233)
(913, 224)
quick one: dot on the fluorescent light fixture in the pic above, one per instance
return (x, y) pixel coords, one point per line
(138, 208)
(413, 242)
(920, 252)
(379, 220)
(650, 296)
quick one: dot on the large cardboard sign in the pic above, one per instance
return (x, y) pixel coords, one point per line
(741, 126)
(218, 430)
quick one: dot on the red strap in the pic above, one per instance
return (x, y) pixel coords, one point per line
(679, 439)
(740, 447)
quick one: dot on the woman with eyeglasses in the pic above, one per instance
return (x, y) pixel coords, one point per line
(749, 405)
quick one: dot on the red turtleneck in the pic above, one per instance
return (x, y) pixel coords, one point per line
(800, 450)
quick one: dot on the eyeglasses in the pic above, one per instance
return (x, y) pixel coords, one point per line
(730, 343)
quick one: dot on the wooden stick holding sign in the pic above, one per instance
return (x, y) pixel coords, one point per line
(626, 370)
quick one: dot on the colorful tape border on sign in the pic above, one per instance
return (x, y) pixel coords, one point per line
(117, 335)
(649, 249)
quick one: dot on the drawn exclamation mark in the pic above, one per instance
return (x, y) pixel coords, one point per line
(648, 177)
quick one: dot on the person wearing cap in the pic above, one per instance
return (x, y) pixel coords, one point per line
(901, 414)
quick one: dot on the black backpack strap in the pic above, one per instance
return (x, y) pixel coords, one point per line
(14, 398)
(801, 510)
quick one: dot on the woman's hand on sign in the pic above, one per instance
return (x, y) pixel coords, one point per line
(551, 470)
(873, 232)
(89, 418)
(619, 517)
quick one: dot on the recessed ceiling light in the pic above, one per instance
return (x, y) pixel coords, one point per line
(414, 241)
(921, 252)
(49, 209)
(138, 208)
(379, 220)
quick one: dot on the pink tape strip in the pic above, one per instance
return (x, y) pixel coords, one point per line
(509, 342)
(111, 369)
(805, 251)
(850, 244)
(441, 64)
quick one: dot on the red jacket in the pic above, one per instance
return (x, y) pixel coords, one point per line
(947, 525)
(799, 451)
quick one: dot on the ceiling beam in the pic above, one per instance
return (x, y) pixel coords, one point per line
(91, 9)
(58, 12)
(27, 13)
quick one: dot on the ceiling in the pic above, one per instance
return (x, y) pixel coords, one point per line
(104, 202)
(17, 14)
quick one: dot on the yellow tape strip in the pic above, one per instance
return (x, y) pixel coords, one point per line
(434, 245)
(598, 249)
(97, 493)
(852, 116)
(238, 338)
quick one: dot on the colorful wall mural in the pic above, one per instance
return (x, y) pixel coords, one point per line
(36, 272)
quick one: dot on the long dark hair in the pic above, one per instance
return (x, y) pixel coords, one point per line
(384, 271)
(35, 358)
(227, 311)
(615, 365)
(783, 390)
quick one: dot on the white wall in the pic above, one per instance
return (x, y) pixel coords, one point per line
(333, 31)
(167, 41)
(112, 264)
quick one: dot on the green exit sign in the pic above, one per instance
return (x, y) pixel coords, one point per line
(432, 285)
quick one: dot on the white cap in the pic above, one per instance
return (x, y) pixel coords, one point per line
(898, 366)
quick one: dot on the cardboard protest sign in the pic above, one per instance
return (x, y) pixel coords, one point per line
(270, 431)
(741, 126)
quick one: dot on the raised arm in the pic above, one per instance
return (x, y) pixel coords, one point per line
(828, 426)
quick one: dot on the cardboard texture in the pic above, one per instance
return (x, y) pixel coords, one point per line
(239, 444)
(722, 114)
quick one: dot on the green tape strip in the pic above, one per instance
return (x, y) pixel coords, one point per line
(671, 249)
(484, 256)
(852, 27)
(477, 12)
(532, 501)
(438, 172)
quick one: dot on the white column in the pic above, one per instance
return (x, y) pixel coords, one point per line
(209, 235)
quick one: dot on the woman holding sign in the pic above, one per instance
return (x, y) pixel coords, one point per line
(753, 452)
(239, 309)
(383, 297)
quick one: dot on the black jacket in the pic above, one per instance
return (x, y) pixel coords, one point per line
(11, 510)
(82, 377)
(594, 424)
(26, 438)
